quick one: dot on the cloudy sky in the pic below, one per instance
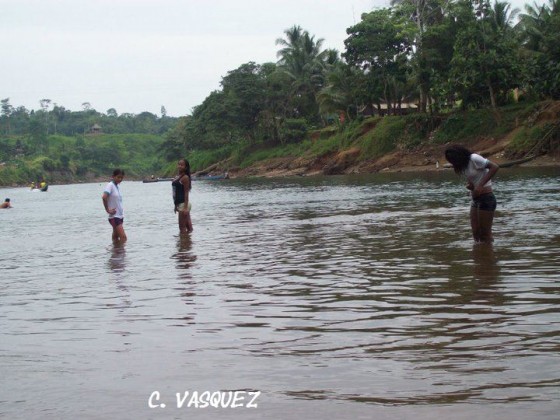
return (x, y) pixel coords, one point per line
(140, 55)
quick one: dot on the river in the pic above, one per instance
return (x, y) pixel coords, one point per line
(312, 297)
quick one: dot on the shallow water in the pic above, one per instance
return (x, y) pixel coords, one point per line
(339, 297)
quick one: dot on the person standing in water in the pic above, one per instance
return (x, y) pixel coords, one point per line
(478, 171)
(181, 186)
(112, 201)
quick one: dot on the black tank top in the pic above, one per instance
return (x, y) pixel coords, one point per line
(178, 191)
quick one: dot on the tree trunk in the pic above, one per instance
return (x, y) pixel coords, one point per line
(492, 94)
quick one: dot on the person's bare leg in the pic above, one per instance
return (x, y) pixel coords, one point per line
(118, 234)
(188, 224)
(182, 223)
(485, 221)
(475, 223)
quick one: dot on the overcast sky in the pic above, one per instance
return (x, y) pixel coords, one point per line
(140, 55)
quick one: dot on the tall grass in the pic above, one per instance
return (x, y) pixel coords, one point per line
(383, 138)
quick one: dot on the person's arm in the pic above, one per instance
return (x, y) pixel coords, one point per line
(186, 184)
(105, 198)
(492, 169)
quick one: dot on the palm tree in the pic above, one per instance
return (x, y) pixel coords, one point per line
(337, 94)
(306, 64)
(503, 16)
(533, 24)
(539, 30)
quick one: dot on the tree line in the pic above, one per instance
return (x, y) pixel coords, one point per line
(435, 54)
(54, 119)
(60, 145)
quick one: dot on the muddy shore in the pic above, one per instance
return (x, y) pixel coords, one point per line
(427, 158)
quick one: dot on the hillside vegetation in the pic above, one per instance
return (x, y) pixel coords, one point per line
(82, 158)
(395, 142)
(414, 141)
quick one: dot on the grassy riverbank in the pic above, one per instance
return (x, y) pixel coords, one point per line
(403, 143)
(392, 143)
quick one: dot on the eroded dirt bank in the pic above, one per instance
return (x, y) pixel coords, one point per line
(426, 158)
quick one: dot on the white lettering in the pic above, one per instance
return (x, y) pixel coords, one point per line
(181, 401)
(255, 396)
(226, 404)
(215, 399)
(193, 400)
(155, 395)
(204, 398)
(239, 396)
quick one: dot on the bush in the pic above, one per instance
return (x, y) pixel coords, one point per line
(526, 138)
(383, 139)
(293, 130)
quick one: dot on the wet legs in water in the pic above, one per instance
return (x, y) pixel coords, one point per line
(185, 222)
(481, 224)
(119, 234)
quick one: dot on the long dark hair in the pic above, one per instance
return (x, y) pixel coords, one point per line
(187, 171)
(459, 157)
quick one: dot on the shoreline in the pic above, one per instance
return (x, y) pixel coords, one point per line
(286, 167)
(420, 161)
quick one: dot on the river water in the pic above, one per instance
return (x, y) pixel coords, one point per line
(315, 297)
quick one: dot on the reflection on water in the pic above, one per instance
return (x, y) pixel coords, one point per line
(184, 255)
(117, 267)
(117, 257)
(485, 263)
(342, 297)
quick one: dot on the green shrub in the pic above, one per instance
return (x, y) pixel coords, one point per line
(525, 139)
(383, 138)
(293, 130)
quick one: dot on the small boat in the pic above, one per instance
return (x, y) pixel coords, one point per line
(211, 177)
(145, 181)
(43, 189)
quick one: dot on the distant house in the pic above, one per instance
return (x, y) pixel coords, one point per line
(95, 129)
(382, 110)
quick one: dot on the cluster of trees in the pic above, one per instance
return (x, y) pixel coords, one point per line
(58, 144)
(434, 53)
(71, 158)
(57, 120)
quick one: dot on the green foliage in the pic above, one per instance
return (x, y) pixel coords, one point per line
(201, 159)
(524, 139)
(79, 158)
(379, 45)
(470, 125)
(383, 139)
(466, 126)
(540, 37)
(485, 63)
(418, 128)
(528, 138)
(293, 130)
(251, 156)
(37, 125)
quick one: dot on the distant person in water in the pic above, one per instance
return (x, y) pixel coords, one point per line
(112, 201)
(6, 204)
(478, 172)
(181, 186)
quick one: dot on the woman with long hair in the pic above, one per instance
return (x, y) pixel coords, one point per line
(181, 186)
(478, 171)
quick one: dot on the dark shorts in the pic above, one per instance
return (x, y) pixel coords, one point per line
(115, 221)
(485, 202)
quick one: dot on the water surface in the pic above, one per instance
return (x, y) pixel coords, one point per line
(339, 297)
